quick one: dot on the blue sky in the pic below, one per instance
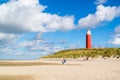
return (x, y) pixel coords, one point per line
(32, 28)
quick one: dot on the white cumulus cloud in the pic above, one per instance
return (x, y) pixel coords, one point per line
(116, 37)
(98, 2)
(27, 16)
(103, 14)
(115, 40)
(8, 43)
(7, 39)
(117, 29)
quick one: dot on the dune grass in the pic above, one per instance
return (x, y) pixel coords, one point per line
(88, 53)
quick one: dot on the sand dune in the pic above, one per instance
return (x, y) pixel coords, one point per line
(53, 70)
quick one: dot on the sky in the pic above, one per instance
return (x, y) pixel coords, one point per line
(33, 28)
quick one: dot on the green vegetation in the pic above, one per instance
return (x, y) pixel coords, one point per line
(87, 53)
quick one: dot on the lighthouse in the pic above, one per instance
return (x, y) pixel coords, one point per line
(88, 39)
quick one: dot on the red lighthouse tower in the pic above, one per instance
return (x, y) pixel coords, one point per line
(88, 39)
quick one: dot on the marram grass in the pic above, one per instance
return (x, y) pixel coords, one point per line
(89, 53)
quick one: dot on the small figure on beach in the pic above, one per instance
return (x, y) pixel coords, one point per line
(64, 61)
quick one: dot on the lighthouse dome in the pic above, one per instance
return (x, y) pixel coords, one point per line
(88, 31)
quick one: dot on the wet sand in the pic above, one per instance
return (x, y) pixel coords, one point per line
(16, 77)
(98, 69)
(24, 63)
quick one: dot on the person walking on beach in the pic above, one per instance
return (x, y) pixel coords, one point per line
(64, 61)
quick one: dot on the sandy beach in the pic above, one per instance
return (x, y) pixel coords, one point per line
(97, 69)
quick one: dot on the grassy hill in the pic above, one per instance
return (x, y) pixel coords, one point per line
(88, 53)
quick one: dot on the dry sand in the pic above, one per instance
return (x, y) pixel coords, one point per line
(98, 69)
